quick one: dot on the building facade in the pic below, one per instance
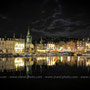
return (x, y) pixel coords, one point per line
(11, 45)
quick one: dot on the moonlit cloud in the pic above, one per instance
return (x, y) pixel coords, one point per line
(2, 17)
(64, 27)
(57, 18)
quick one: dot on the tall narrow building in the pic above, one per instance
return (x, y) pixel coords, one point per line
(29, 45)
(28, 37)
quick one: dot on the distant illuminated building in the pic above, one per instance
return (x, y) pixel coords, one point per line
(19, 45)
(88, 45)
(81, 46)
(19, 48)
(11, 45)
(29, 45)
(41, 48)
(7, 45)
(51, 46)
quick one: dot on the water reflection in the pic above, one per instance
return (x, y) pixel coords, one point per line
(51, 61)
(39, 65)
(19, 62)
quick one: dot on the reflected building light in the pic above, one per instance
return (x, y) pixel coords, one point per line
(68, 58)
(72, 58)
(19, 62)
(81, 58)
(3, 59)
(27, 69)
(78, 58)
(51, 61)
(61, 58)
(31, 63)
(48, 59)
(88, 63)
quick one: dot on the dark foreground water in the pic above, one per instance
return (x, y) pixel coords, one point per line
(45, 67)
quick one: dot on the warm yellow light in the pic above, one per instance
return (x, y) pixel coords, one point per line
(41, 58)
(51, 61)
(42, 50)
(50, 46)
(68, 58)
(19, 47)
(19, 62)
(88, 63)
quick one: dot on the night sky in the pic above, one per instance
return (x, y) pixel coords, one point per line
(51, 18)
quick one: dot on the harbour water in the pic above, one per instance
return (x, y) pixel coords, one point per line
(45, 67)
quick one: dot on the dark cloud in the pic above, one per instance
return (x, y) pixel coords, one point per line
(56, 25)
(46, 17)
